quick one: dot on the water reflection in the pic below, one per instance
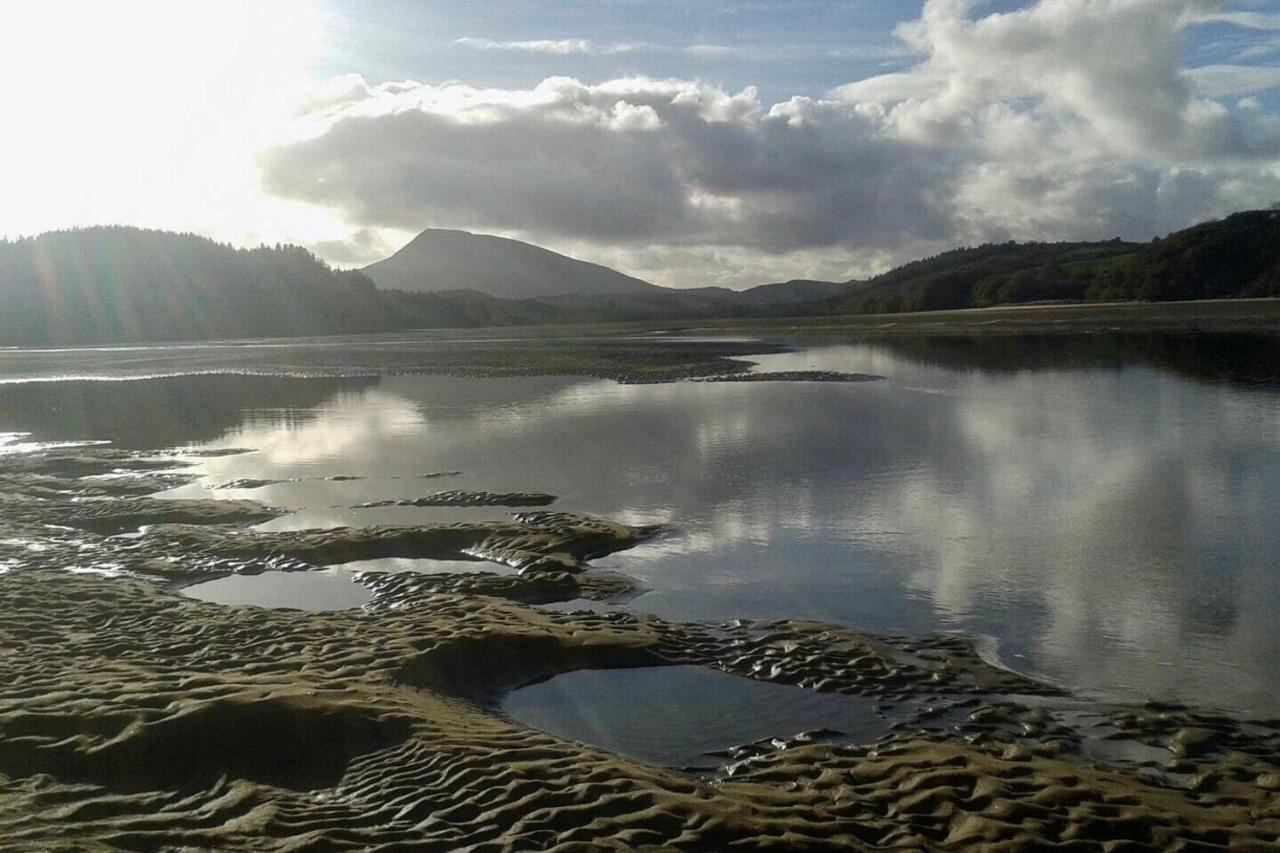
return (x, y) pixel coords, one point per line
(161, 412)
(679, 715)
(1245, 360)
(320, 590)
(1109, 522)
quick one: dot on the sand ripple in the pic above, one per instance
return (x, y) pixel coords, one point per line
(132, 717)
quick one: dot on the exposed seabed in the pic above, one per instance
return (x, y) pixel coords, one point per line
(134, 716)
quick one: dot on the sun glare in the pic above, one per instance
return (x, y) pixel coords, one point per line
(145, 111)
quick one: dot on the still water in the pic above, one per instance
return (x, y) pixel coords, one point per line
(1106, 514)
(319, 591)
(633, 712)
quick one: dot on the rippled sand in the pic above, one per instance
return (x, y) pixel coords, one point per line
(134, 717)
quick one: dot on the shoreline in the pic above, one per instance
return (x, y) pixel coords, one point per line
(1208, 316)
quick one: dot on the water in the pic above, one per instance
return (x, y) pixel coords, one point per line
(318, 591)
(1102, 509)
(678, 715)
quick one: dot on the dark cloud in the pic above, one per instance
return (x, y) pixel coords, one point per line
(635, 163)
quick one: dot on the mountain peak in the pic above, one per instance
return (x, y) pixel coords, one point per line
(447, 259)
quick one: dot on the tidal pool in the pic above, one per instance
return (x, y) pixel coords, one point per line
(1101, 509)
(679, 715)
(319, 590)
(424, 566)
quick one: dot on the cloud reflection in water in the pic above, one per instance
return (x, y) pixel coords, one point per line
(1108, 523)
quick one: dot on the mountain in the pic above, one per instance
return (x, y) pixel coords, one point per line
(439, 259)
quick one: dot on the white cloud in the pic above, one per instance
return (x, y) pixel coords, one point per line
(1065, 119)
(1247, 20)
(559, 47)
(1225, 81)
(916, 85)
(1110, 69)
(587, 47)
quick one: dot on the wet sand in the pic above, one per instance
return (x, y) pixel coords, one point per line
(134, 717)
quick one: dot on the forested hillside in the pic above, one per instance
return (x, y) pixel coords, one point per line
(1234, 257)
(125, 284)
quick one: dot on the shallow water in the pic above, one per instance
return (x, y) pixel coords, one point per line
(1102, 509)
(677, 715)
(321, 590)
(424, 566)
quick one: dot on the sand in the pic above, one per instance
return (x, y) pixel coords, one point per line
(458, 497)
(133, 717)
(792, 376)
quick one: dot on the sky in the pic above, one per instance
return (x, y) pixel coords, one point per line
(689, 143)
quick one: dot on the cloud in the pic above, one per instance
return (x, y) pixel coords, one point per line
(1247, 20)
(1223, 81)
(1105, 72)
(1067, 119)
(587, 47)
(1077, 118)
(559, 47)
(360, 248)
(627, 162)
(918, 85)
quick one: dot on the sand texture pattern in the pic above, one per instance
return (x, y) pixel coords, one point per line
(132, 717)
(458, 497)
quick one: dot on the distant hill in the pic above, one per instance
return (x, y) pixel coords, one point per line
(795, 292)
(993, 274)
(1238, 256)
(113, 284)
(438, 260)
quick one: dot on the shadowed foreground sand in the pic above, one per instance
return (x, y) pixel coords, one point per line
(133, 717)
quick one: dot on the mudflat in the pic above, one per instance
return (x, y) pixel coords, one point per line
(629, 353)
(133, 717)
